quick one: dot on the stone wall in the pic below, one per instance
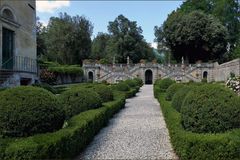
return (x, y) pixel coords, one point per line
(222, 72)
(180, 72)
(67, 79)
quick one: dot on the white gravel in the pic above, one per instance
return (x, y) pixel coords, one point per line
(137, 132)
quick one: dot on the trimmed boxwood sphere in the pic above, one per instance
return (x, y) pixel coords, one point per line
(172, 90)
(211, 108)
(164, 84)
(122, 86)
(179, 97)
(104, 91)
(138, 81)
(131, 83)
(79, 99)
(26, 111)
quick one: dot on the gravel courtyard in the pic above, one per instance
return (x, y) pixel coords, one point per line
(137, 132)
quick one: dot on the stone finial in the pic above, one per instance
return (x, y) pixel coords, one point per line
(128, 60)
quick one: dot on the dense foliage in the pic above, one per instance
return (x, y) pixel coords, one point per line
(224, 12)
(195, 146)
(164, 84)
(26, 111)
(122, 86)
(77, 132)
(170, 92)
(104, 91)
(67, 39)
(46, 86)
(50, 71)
(65, 143)
(227, 11)
(124, 40)
(211, 108)
(131, 83)
(194, 36)
(77, 100)
(127, 40)
(138, 81)
(99, 46)
(179, 97)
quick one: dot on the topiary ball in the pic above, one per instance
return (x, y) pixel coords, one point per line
(138, 81)
(164, 84)
(210, 108)
(77, 100)
(104, 91)
(131, 83)
(25, 111)
(122, 86)
(179, 97)
(172, 90)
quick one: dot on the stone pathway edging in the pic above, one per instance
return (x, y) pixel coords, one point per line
(137, 132)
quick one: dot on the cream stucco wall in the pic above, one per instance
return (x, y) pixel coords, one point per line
(23, 26)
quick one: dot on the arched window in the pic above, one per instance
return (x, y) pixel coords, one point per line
(7, 13)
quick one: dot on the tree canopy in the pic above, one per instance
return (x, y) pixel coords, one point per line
(68, 39)
(99, 45)
(127, 40)
(227, 11)
(194, 36)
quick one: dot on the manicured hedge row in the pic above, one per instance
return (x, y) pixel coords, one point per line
(132, 92)
(190, 145)
(65, 143)
(171, 90)
(69, 141)
(211, 108)
(27, 110)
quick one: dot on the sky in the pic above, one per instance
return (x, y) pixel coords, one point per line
(147, 13)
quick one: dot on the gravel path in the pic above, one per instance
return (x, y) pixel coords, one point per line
(137, 132)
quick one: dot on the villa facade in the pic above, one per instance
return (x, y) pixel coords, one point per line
(18, 65)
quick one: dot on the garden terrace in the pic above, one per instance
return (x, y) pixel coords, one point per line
(192, 145)
(78, 130)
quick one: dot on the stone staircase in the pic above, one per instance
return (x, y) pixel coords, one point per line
(116, 73)
(180, 72)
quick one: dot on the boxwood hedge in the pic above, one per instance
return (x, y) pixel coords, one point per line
(27, 110)
(179, 97)
(105, 92)
(122, 86)
(67, 142)
(211, 108)
(196, 146)
(78, 100)
(172, 90)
